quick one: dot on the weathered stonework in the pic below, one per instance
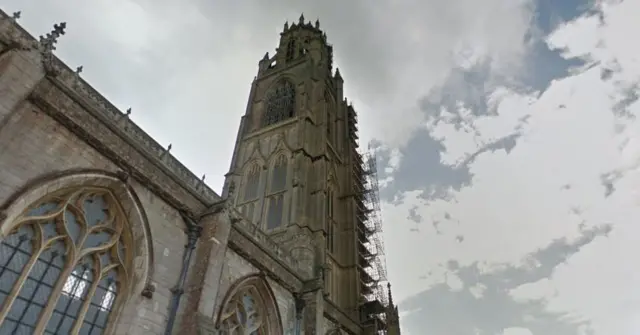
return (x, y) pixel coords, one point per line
(57, 131)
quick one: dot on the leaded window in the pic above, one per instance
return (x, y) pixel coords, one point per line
(275, 211)
(244, 314)
(280, 104)
(252, 182)
(279, 175)
(63, 264)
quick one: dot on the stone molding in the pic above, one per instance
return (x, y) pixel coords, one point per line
(85, 121)
(280, 269)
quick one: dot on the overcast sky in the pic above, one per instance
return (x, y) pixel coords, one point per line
(507, 134)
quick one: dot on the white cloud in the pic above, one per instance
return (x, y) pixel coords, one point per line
(550, 185)
(201, 60)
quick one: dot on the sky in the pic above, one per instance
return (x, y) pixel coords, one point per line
(509, 173)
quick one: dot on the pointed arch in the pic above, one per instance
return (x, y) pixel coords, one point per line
(250, 305)
(80, 243)
(280, 103)
(254, 154)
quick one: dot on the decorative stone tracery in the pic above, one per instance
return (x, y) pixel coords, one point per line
(65, 264)
(250, 308)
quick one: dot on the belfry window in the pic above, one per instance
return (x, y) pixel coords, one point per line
(63, 265)
(280, 104)
(291, 50)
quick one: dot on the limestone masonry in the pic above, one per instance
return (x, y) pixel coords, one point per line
(103, 231)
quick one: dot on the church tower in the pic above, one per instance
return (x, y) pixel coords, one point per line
(297, 175)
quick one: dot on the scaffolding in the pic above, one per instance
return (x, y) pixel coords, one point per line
(371, 256)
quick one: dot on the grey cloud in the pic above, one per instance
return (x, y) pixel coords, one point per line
(441, 311)
(421, 168)
(414, 216)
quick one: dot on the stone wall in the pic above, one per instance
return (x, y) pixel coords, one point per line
(49, 130)
(33, 146)
(236, 267)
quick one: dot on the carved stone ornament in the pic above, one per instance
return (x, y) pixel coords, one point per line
(148, 290)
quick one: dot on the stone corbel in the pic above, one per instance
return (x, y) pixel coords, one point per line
(148, 290)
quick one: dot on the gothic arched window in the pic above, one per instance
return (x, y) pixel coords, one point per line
(280, 104)
(277, 190)
(252, 182)
(63, 265)
(244, 314)
(250, 308)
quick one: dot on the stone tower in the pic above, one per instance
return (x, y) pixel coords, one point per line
(294, 173)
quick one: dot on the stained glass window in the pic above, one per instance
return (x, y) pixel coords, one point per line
(280, 104)
(244, 314)
(61, 266)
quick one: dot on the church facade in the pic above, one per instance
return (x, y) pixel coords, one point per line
(103, 231)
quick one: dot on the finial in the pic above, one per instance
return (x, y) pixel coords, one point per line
(16, 15)
(266, 56)
(203, 177)
(286, 25)
(166, 151)
(389, 293)
(337, 75)
(79, 69)
(49, 41)
(301, 20)
(317, 23)
(128, 111)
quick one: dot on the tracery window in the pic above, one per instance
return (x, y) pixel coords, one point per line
(279, 174)
(252, 182)
(277, 189)
(280, 104)
(244, 314)
(63, 265)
